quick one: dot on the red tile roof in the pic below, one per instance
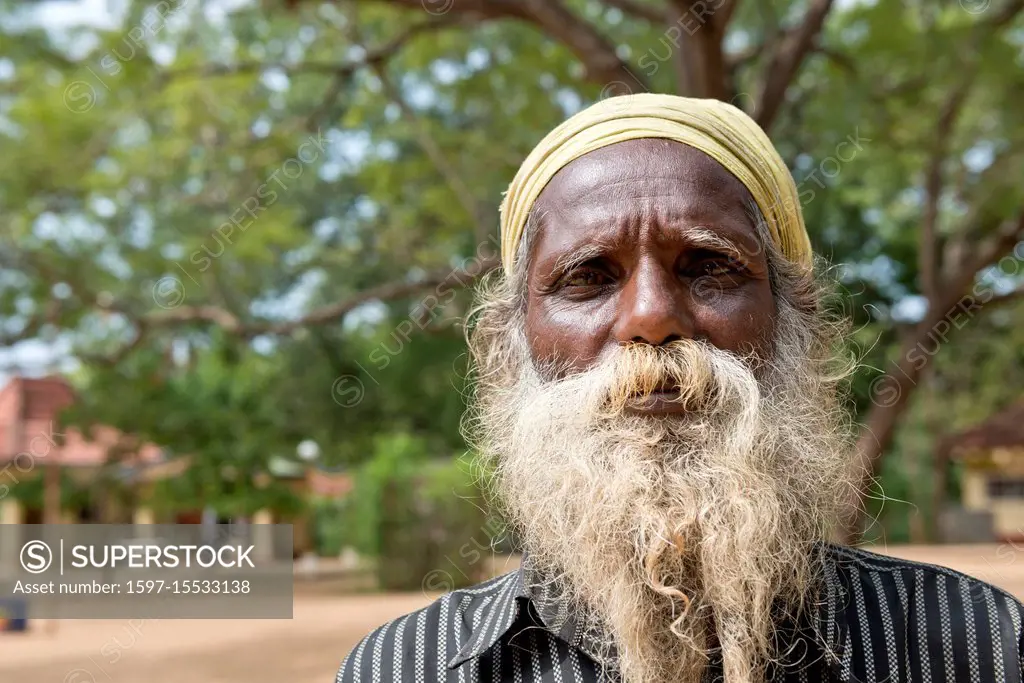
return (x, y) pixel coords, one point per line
(1005, 429)
(29, 409)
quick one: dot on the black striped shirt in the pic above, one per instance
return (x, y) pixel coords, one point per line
(878, 619)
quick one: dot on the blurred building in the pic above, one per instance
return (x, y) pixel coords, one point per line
(992, 454)
(32, 443)
(310, 483)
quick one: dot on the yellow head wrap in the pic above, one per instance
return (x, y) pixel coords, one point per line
(720, 130)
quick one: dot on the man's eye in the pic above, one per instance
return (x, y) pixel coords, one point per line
(714, 268)
(585, 277)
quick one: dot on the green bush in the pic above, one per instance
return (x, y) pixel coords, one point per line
(328, 523)
(420, 517)
(29, 490)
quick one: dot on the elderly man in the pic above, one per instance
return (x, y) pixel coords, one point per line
(658, 404)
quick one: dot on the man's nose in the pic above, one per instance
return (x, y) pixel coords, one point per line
(653, 308)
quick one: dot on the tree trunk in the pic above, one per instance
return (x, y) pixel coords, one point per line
(51, 493)
(699, 61)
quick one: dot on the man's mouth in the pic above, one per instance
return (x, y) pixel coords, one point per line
(664, 400)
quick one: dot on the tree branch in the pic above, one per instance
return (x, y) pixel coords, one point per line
(928, 252)
(595, 52)
(1007, 14)
(121, 353)
(786, 62)
(838, 58)
(639, 10)
(187, 315)
(458, 278)
(330, 98)
(14, 259)
(33, 326)
(471, 9)
(701, 69)
(1007, 298)
(723, 15)
(374, 56)
(773, 33)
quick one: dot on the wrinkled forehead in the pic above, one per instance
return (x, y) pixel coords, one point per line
(664, 165)
(642, 180)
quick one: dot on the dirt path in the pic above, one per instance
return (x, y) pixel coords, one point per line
(306, 649)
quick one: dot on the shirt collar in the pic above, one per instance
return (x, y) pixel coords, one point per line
(830, 629)
(546, 595)
(496, 618)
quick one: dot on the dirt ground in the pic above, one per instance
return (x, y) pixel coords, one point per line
(306, 649)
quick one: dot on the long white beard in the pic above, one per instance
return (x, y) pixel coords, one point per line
(671, 534)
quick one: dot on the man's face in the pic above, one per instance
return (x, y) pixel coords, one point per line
(645, 241)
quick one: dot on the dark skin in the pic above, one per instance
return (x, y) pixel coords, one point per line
(627, 252)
